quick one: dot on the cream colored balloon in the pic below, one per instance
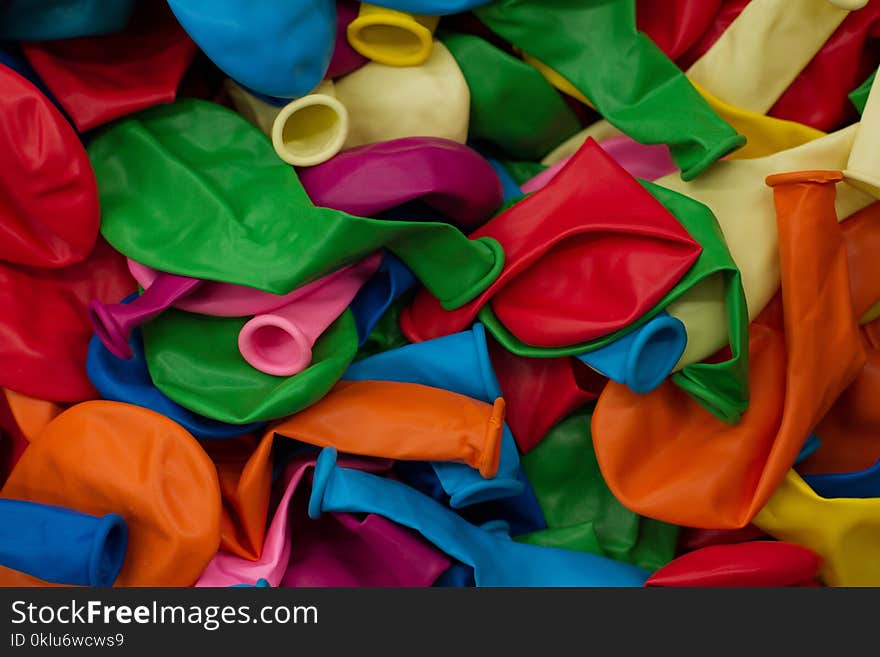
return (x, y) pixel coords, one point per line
(764, 49)
(257, 111)
(389, 102)
(312, 129)
(863, 168)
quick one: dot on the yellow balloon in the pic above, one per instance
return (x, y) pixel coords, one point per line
(312, 129)
(392, 37)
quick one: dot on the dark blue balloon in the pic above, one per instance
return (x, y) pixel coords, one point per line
(391, 280)
(863, 484)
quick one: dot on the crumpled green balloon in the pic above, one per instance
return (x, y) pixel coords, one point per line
(386, 335)
(192, 188)
(513, 106)
(859, 96)
(581, 512)
(595, 45)
(723, 387)
(521, 171)
(194, 359)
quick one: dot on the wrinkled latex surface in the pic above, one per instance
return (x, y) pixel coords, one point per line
(345, 59)
(276, 49)
(194, 360)
(446, 176)
(573, 495)
(675, 25)
(49, 214)
(662, 455)
(374, 299)
(754, 563)
(98, 79)
(513, 106)
(637, 102)
(640, 246)
(181, 154)
(44, 344)
(143, 478)
(864, 483)
(402, 421)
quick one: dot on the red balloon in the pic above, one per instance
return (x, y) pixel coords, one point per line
(583, 257)
(100, 78)
(693, 538)
(44, 327)
(675, 25)
(754, 563)
(49, 213)
(727, 13)
(540, 392)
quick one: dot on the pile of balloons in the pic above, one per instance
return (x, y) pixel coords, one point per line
(440, 293)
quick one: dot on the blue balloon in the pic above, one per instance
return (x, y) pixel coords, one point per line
(459, 363)
(129, 381)
(810, 446)
(863, 484)
(279, 49)
(642, 358)
(61, 545)
(42, 20)
(496, 560)
(431, 7)
(391, 280)
(511, 190)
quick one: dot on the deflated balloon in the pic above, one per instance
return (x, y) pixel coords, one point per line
(43, 20)
(105, 457)
(49, 214)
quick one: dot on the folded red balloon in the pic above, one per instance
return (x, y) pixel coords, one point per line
(49, 213)
(100, 78)
(584, 257)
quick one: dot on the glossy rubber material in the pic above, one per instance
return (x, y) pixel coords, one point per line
(763, 51)
(843, 531)
(497, 561)
(372, 301)
(580, 510)
(21, 419)
(44, 20)
(432, 7)
(49, 215)
(859, 95)
(643, 250)
(754, 563)
(194, 360)
(392, 37)
(114, 323)
(129, 381)
(345, 59)
(143, 478)
(863, 167)
(402, 421)
(61, 545)
(98, 79)
(638, 102)
(692, 539)
(312, 129)
(458, 363)
(864, 483)
(511, 189)
(448, 177)
(386, 334)
(662, 455)
(513, 107)
(43, 346)
(338, 550)
(252, 106)
(280, 342)
(675, 25)
(246, 235)
(390, 102)
(643, 358)
(280, 50)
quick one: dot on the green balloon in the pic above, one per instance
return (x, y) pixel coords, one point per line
(386, 335)
(512, 104)
(192, 188)
(722, 388)
(579, 507)
(194, 360)
(595, 45)
(521, 171)
(859, 96)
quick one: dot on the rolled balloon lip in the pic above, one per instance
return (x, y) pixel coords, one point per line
(278, 357)
(310, 130)
(391, 37)
(491, 455)
(108, 550)
(811, 176)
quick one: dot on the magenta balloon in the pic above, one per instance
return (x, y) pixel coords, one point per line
(345, 58)
(339, 552)
(228, 300)
(451, 178)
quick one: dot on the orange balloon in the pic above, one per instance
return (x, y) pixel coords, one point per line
(665, 457)
(402, 421)
(103, 457)
(244, 467)
(21, 418)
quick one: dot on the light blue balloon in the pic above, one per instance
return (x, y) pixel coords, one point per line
(459, 363)
(44, 20)
(278, 48)
(642, 358)
(61, 545)
(496, 560)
